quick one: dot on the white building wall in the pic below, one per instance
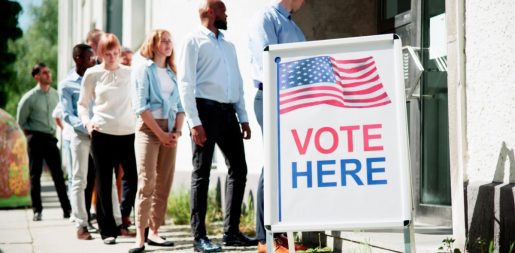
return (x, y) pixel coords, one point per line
(490, 74)
(180, 17)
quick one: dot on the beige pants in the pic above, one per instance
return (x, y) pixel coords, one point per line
(156, 166)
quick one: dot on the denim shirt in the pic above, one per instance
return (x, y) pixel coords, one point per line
(148, 92)
(68, 96)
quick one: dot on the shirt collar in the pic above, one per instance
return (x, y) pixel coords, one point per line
(211, 34)
(280, 8)
(74, 76)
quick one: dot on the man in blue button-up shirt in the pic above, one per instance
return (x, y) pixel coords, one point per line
(272, 25)
(83, 173)
(212, 95)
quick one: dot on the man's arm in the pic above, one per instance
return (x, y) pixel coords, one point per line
(187, 82)
(263, 34)
(69, 117)
(23, 111)
(187, 77)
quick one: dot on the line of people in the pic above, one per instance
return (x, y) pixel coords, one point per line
(132, 118)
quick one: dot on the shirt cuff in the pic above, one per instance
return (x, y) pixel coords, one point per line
(193, 122)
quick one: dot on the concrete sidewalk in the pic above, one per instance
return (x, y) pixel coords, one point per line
(19, 234)
(54, 234)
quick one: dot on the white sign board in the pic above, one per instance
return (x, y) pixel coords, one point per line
(335, 133)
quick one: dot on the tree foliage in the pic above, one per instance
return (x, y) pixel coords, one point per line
(38, 44)
(10, 31)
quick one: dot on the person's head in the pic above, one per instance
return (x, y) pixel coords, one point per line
(109, 49)
(84, 57)
(212, 13)
(93, 38)
(126, 56)
(159, 43)
(292, 5)
(41, 73)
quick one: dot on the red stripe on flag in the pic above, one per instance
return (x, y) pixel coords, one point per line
(365, 91)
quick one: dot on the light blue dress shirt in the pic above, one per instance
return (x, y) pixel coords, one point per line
(208, 68)
(148, 96)
(273, 25)
(69, 95)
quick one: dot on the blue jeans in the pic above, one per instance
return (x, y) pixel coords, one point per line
(260, 221)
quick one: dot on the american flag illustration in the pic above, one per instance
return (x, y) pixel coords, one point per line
(347, 83)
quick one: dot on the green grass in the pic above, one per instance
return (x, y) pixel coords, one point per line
(179, 211)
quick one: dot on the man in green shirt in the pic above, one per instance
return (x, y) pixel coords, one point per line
(35, 118)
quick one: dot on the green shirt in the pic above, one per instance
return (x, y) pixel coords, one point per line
(35, 110)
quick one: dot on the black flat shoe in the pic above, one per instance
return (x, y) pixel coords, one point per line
(163, 244)
(137, 250)
(146, 235)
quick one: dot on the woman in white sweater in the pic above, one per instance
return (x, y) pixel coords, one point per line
(111, 128)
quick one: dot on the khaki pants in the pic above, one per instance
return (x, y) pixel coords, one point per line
(156, 166)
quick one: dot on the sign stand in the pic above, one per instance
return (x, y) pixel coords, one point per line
(409, 238)
(337, 138)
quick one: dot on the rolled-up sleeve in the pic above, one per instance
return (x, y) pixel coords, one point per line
(188, 80)
(141, 84)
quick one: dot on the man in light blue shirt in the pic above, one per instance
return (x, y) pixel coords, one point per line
(212, 95)
(83, 174)
(272, 25)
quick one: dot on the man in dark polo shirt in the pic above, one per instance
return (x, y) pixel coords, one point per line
(35, 118)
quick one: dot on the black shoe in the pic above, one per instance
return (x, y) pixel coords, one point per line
(162, 244)
(37, 216)
(146, 235)
(205, 245)
(137, 250)
(238, 239)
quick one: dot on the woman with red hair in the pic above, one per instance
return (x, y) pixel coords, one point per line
(111, 128)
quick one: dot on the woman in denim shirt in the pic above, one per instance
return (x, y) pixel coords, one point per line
(158, 128)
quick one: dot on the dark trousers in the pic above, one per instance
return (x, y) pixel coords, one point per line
(222, 128)
(108, 152)
(42, 146)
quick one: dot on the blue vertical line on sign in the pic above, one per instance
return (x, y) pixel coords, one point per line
(278, 108)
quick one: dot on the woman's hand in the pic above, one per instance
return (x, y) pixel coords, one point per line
(165, 139)
(91, 126)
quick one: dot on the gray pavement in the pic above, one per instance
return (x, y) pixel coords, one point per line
(19, 234)
(54, 234)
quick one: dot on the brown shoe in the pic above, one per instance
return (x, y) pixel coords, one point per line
(126, 232)
(83, 234)
(278, 248)
(283, 240)
(261, 247)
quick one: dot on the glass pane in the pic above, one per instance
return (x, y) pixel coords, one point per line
(435, 176)
(393, 7)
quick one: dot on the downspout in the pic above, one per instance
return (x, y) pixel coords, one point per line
(459, 177)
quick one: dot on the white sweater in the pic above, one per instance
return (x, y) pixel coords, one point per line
(111, 93)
